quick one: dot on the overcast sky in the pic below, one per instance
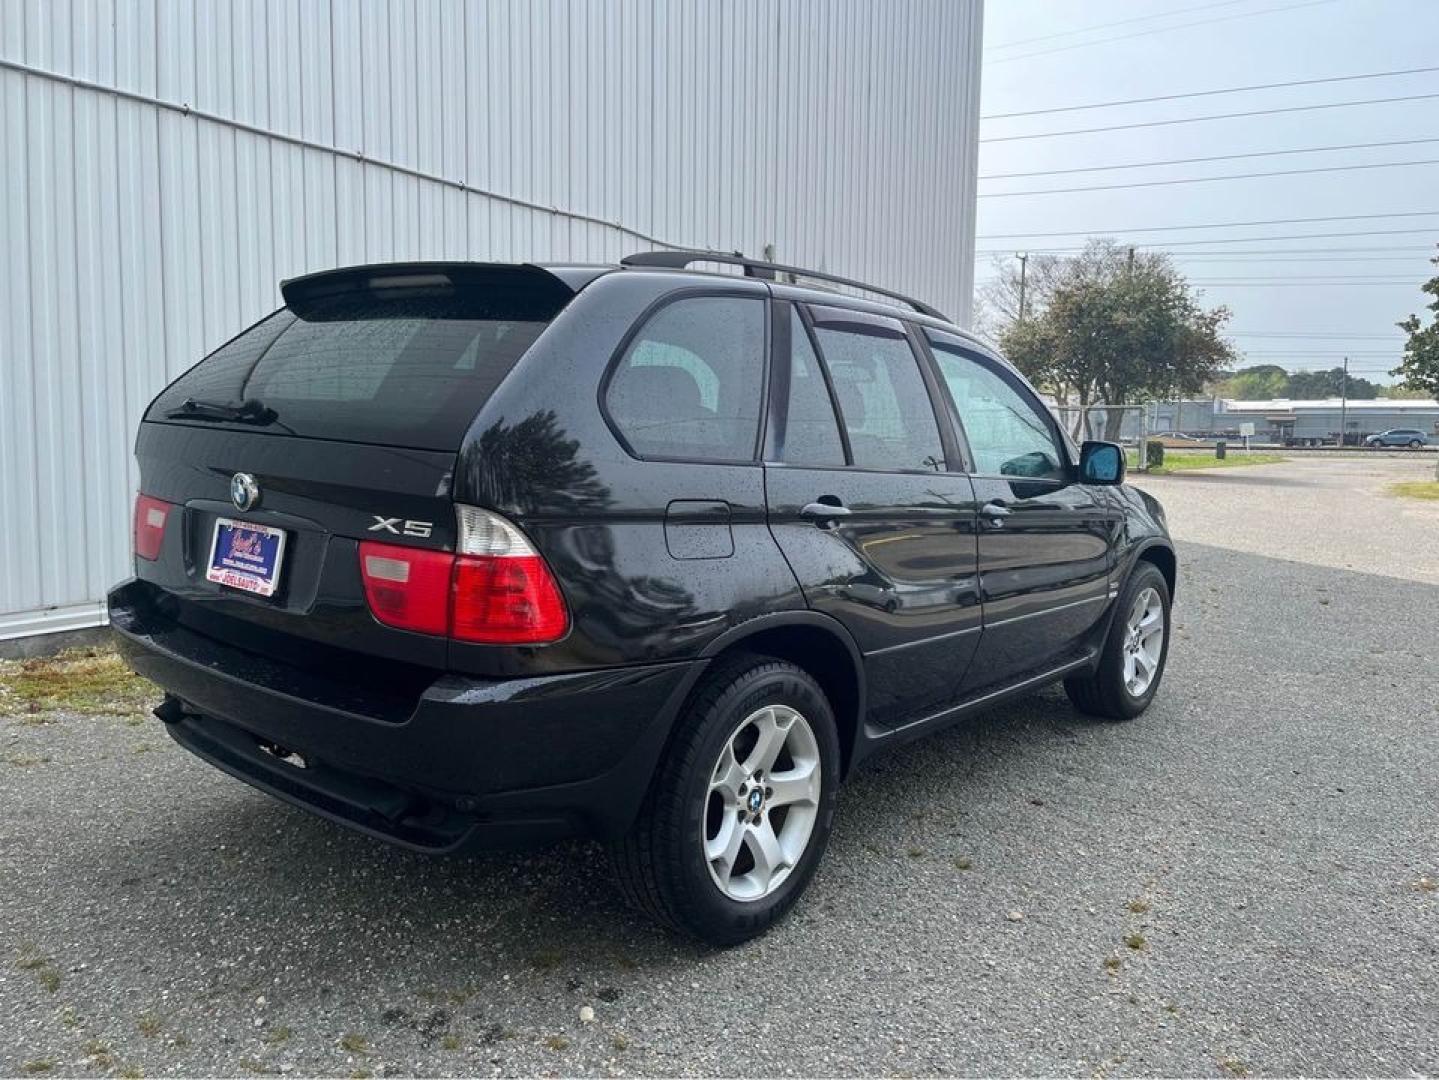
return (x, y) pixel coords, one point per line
(1035, 59)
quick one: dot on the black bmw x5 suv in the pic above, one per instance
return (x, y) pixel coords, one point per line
(464, 555)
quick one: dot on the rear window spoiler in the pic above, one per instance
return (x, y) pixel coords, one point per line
(525, 282)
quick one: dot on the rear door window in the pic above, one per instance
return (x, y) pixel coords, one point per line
(811, 432)
(689, 384)
(883, 401)
(403, 371)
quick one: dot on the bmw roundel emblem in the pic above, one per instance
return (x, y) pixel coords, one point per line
(244, 492)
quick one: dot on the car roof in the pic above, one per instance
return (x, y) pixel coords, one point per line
(574, 277)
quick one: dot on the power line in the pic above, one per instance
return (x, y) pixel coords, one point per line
(1259, 279)
(1243, 256)
(1420, 250)
(1277, 281)
(1416, 252)
(1218, 260)
(1210, 179)
(1215, 225)
(1211, 93)
(1331, 279)
(1243, 240)
(1321, 334)
(1303, 277)
(1260, 253)
(1156, 30)
(1294, 284)
(1215, 157)
(1108, 25)
(1213, 116)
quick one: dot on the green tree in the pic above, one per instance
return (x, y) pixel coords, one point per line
(1116, 327)
(1258, 382)
(1403, 393)
(1330, 384)
(1420, 367)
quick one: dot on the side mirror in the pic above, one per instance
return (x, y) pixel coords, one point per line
(1101, 463)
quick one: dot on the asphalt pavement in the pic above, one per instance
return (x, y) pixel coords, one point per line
(1243, 881)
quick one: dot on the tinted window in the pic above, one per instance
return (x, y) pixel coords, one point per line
(882, 397)
(1009, 433)
(400, 371)
(811, 431)
(220, 376)
(689, 385)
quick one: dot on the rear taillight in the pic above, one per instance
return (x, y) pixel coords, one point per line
(150, 517)
(495, 590)
(504, 593)
(408, 587)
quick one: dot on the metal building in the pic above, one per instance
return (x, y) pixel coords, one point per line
(166, 164)
(1283, 420)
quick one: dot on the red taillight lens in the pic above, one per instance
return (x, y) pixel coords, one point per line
(497, 591)
(507, 600)
(407, 587)
(150, 517)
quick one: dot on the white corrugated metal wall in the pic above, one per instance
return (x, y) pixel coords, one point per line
(166, 163)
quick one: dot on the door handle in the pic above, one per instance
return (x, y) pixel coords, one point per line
(994, 512)
(822, 511)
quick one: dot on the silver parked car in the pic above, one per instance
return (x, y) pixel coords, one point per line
(1410, 437)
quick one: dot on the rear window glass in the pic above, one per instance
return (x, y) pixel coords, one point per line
(410, 371)
(689, 385)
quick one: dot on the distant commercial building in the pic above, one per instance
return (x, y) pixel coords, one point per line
(1283, 420)
(1278, 420)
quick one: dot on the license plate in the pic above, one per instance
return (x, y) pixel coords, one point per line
(246, 556)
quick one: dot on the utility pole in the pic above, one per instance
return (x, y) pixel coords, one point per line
(1023, 268)
(1130, 267)
(1344, 404)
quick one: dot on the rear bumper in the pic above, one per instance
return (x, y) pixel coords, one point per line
(474, 763)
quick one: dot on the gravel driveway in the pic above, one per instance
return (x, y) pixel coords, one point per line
(1243, 881)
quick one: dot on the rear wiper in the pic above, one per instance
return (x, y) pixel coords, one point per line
(247, 412)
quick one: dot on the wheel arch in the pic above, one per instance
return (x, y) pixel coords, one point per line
(822, 647)
(1162, 556)
(1156, 551)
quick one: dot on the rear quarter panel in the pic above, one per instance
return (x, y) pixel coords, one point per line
(541, 453)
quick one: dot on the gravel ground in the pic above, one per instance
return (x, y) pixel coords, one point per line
(1327, 510)
(1243, 881)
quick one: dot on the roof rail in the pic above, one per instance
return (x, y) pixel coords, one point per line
(757, 268)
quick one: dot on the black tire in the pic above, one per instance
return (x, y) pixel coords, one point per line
(1415, 444)
(660, 863)
(1103, 693)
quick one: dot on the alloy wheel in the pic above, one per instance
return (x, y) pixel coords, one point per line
(1143, 642)
(762, 803)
